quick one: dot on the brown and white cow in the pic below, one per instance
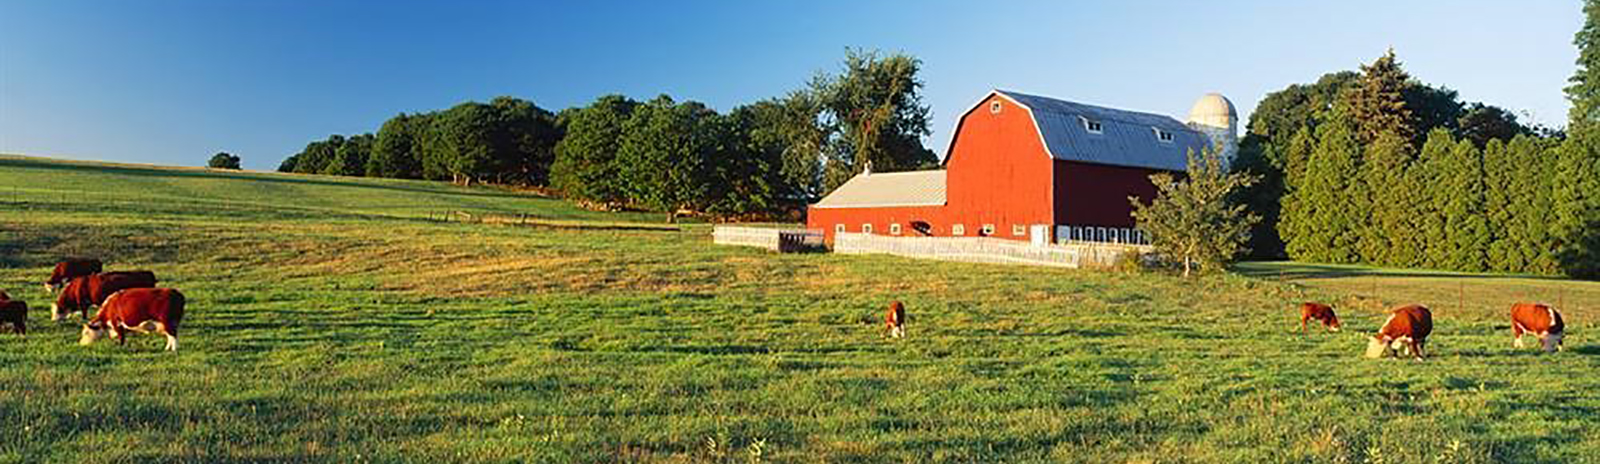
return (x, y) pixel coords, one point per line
(1408, 327)
(1318, 312)
(1540, 320)
(895, 319)
(69, 269)
(92, 290)
(15, 313)
(141, 310)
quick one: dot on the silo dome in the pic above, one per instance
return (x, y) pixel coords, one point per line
(1213, 110)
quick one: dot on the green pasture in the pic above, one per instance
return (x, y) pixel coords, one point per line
(338, 320)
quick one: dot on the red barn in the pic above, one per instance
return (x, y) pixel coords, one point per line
(1026, 167)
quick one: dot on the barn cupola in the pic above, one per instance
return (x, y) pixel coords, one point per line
(1214, 116)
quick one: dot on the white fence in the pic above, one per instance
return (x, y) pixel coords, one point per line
(780, 240)
(986, 250)
(1122, 235)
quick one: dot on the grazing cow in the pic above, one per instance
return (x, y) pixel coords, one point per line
(142, 310)
(1408, 327)
(69, 269)
(15, 313)
(1319, 312)
(92, 290)
(1540, 320)
(895, 319)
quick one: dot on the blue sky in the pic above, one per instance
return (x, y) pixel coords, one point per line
(174, 81)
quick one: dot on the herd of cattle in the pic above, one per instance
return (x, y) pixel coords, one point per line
(1407, 329)
(127, 301)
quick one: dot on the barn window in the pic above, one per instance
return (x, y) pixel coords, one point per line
(958, 230)
(987, 230)
(1019, 230)
(1162, 135)
(866, 228)
(994, 107)
(921, 227)
(1093, 126)
(894, 229)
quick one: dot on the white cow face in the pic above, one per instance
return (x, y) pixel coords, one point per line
(56, 314)
(91, 332)
(1552, 342)
(1378, 348)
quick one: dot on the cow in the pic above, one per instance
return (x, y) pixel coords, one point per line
(1408, 327)
(15, 313)
(895, 319)
(141, 310)
(69, 269)
(1540, 320)
(1319, 312)
(92, 290)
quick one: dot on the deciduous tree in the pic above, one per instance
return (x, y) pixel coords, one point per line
(1191, 220)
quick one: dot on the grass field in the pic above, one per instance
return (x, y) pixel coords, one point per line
(330, 321)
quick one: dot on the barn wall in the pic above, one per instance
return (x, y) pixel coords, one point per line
(1097, 195)
(825, 219)
(999, 172)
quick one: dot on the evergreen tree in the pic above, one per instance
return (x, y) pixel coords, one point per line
(1430, 173)
(1377, 102)
(1577, 193)
(1503, 201)
(1292, 220)
(1584, 92)
(1329, 215)
(1466, 228)
(1533, 202)
(1387, 235)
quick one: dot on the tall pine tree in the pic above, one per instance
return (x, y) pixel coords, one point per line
(1466, 229)
(1387, 236)
(1328, 215)
(1577, 194)
(1429, 174)
(1377, 103)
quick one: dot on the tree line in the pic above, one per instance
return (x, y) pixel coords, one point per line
(761, 159)
(1376, 167)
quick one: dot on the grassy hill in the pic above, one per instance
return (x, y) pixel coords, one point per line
(331, 321)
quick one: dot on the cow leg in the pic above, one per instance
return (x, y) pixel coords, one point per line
(21, 327)
(1516, 334)
(172, 343)
(1416, 349)
(1303, 319)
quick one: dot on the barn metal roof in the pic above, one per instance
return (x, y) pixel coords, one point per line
(869, 190)
(1127, 138)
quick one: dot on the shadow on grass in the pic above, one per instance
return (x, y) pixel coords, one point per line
(1298, 271)
(281, 179)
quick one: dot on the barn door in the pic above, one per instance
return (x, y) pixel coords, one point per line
(1041, 234)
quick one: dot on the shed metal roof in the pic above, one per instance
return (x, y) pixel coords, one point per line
(1127, 138)
(869, 190)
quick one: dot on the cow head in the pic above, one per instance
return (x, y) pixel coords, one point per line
(1552, 342)
(59, 311)
(1333, 322)
(50, 287)
(1378, 347)
(92, 331)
